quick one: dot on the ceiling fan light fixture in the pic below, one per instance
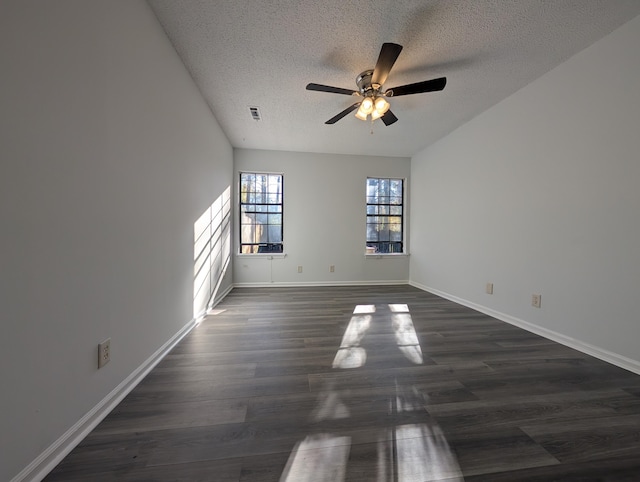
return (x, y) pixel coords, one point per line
(360, 114)
(367, 105)
(381, 105)
(376, 114)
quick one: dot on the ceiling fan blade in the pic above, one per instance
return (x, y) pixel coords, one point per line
(388, 56)
(339, 116)
(418, 88)
(331, 90)
(388, 118)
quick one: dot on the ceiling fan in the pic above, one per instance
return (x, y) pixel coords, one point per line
(370, 89)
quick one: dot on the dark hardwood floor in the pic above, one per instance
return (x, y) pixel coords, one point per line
(289, 384)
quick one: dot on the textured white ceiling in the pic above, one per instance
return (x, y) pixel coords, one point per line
(262, 53)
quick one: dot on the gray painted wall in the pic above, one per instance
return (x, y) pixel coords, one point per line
(324, 219)
(540, 195)
(108, 156)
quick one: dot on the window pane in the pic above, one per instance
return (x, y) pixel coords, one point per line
(372, 233)
(383, 187)
(247, 180)
(372, 220)
(248, 218)
(275, 184)
(275, 219)
(395, 210)
(372, 210)
(270, 248)
(248, 234)
(275, 234)
(396, 235)
(383, 209)
(263, 234)
(275, 208)
(395, 200)
(396, 187)
(261, 218)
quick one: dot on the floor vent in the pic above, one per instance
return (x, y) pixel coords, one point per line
(255, 113)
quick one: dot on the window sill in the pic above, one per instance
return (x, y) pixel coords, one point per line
(385, 255)
(262, 255)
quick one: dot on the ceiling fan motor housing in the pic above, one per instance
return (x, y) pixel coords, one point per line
(363, 81)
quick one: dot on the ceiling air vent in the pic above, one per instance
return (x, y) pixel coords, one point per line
(255, 113)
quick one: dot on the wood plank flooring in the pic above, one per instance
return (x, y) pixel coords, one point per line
(289, 384)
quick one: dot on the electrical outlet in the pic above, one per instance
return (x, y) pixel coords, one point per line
(299, 269)
(489, 288)
(332, 269)
(536, 300)
(104, 352)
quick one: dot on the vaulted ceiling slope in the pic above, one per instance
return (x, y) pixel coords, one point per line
(246, 53)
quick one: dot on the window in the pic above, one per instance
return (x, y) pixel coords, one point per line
(385, 202)
(260, 213)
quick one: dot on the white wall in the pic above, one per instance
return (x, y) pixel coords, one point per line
(108, 156)
(324, 219)
(540, 194)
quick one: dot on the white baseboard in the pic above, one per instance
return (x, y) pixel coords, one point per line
(53, 455)
(597, 352)
(295, 284)
(220, 297)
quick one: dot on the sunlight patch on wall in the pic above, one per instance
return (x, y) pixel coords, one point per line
(211, 251)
